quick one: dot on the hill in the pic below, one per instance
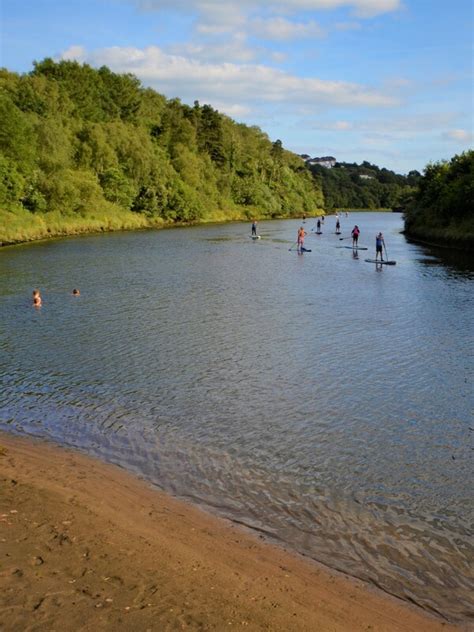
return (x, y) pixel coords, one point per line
(365, 186)
(83, 150)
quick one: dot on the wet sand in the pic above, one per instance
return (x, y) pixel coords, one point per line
(87, 546)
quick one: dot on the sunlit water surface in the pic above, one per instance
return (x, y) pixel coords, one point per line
(317, 398)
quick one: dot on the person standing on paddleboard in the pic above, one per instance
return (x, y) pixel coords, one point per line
(355, 236)
(300, 238)
(338, 225)
(318, 226)
(254, 228)
(379, 245)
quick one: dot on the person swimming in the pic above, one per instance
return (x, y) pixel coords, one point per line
(37, 301)
(76, 292)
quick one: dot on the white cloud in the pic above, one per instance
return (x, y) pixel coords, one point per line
(217, 17)
(278, 57)
(281, 29)
(77, 53)
(460, 135)
(411, 124)
(338, 126)
(397, 127)
(234, 110)
(235, 48)
(342, 125)
(230, 83)
(362, 8)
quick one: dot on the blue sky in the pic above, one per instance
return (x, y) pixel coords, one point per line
(388, 81)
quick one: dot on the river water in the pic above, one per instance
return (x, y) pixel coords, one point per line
(317, 398)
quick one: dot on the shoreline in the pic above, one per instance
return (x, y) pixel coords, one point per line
(446, 244)
(162, 225)
(90, 543)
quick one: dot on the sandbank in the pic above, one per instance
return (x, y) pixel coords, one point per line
(85, 545)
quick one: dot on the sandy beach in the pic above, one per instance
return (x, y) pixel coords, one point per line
(87, 546)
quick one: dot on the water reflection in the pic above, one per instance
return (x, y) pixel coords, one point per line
(457, 262)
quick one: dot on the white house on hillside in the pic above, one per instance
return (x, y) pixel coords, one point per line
(325, 161)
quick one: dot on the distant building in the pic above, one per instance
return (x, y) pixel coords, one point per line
(325, 161)
(364, 176)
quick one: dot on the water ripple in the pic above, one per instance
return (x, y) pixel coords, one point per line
(318, 400)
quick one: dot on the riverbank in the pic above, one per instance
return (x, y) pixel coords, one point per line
(88, 546)
(442, 239)
(21, 227)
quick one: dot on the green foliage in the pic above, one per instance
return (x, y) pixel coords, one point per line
(85, 149)
(12, 183)
(349, 185)
(442, 208)
(17, 139)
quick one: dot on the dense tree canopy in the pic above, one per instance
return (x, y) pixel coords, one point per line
(364, 186)
(86, 149)
(442, 208)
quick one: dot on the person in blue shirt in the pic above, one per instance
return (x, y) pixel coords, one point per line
(379, 245)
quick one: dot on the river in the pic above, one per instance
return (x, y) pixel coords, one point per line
(317, 398)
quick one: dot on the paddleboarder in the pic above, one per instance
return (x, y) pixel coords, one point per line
(355, 236)
(254, 228)
(318, 226)
(379, 245)
(338, 225)
(300, 239)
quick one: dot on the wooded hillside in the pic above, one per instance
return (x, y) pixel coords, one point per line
(365, 186)
(442, 208)
(84, 149)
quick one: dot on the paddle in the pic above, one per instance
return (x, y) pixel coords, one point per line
(341, 238)
(295, 244)
(386, 253)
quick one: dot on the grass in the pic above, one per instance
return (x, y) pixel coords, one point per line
(19, 226)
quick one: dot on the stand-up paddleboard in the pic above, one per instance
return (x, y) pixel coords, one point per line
(338, 232)
(255, 237)
(383, 262)
(353, 247)
(318, 232)
(303, 249)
